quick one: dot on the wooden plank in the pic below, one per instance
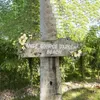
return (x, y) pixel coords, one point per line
(55, 48)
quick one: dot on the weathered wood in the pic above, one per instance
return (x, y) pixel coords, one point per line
(49, 49)
(60, 47)
(47, 21)
(50, 78)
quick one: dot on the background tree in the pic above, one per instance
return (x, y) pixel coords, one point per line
(17, 16)
(74, 18)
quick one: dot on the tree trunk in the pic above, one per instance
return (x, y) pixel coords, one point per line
(31, 70)
(81, 67)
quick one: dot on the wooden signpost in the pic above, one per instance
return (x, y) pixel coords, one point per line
(49, 49)
(54, 48)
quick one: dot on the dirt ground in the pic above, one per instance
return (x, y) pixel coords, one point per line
(33, 91)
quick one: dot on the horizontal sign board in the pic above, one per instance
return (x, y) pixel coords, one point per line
(60, 47)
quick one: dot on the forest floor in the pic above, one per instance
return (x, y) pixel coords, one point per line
(70, 90)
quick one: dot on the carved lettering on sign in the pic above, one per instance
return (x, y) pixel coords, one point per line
(60, 47)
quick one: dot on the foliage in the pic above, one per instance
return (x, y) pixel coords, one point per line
(74, 20)
(16, 17)
(75, 16)
(87, 65)
(15, 72)
(92, 48)
(22, 16)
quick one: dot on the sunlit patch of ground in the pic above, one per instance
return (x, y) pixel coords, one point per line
(71, 91)
(74, 94)
(82, 94)
(75, 85)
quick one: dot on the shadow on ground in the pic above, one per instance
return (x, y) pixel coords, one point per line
(28, 98)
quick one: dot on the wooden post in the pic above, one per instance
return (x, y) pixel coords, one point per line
(50, 78)
(49, 49)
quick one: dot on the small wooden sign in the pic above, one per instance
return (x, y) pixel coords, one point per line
(60, 47)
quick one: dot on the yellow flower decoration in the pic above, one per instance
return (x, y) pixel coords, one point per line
(23, 39)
